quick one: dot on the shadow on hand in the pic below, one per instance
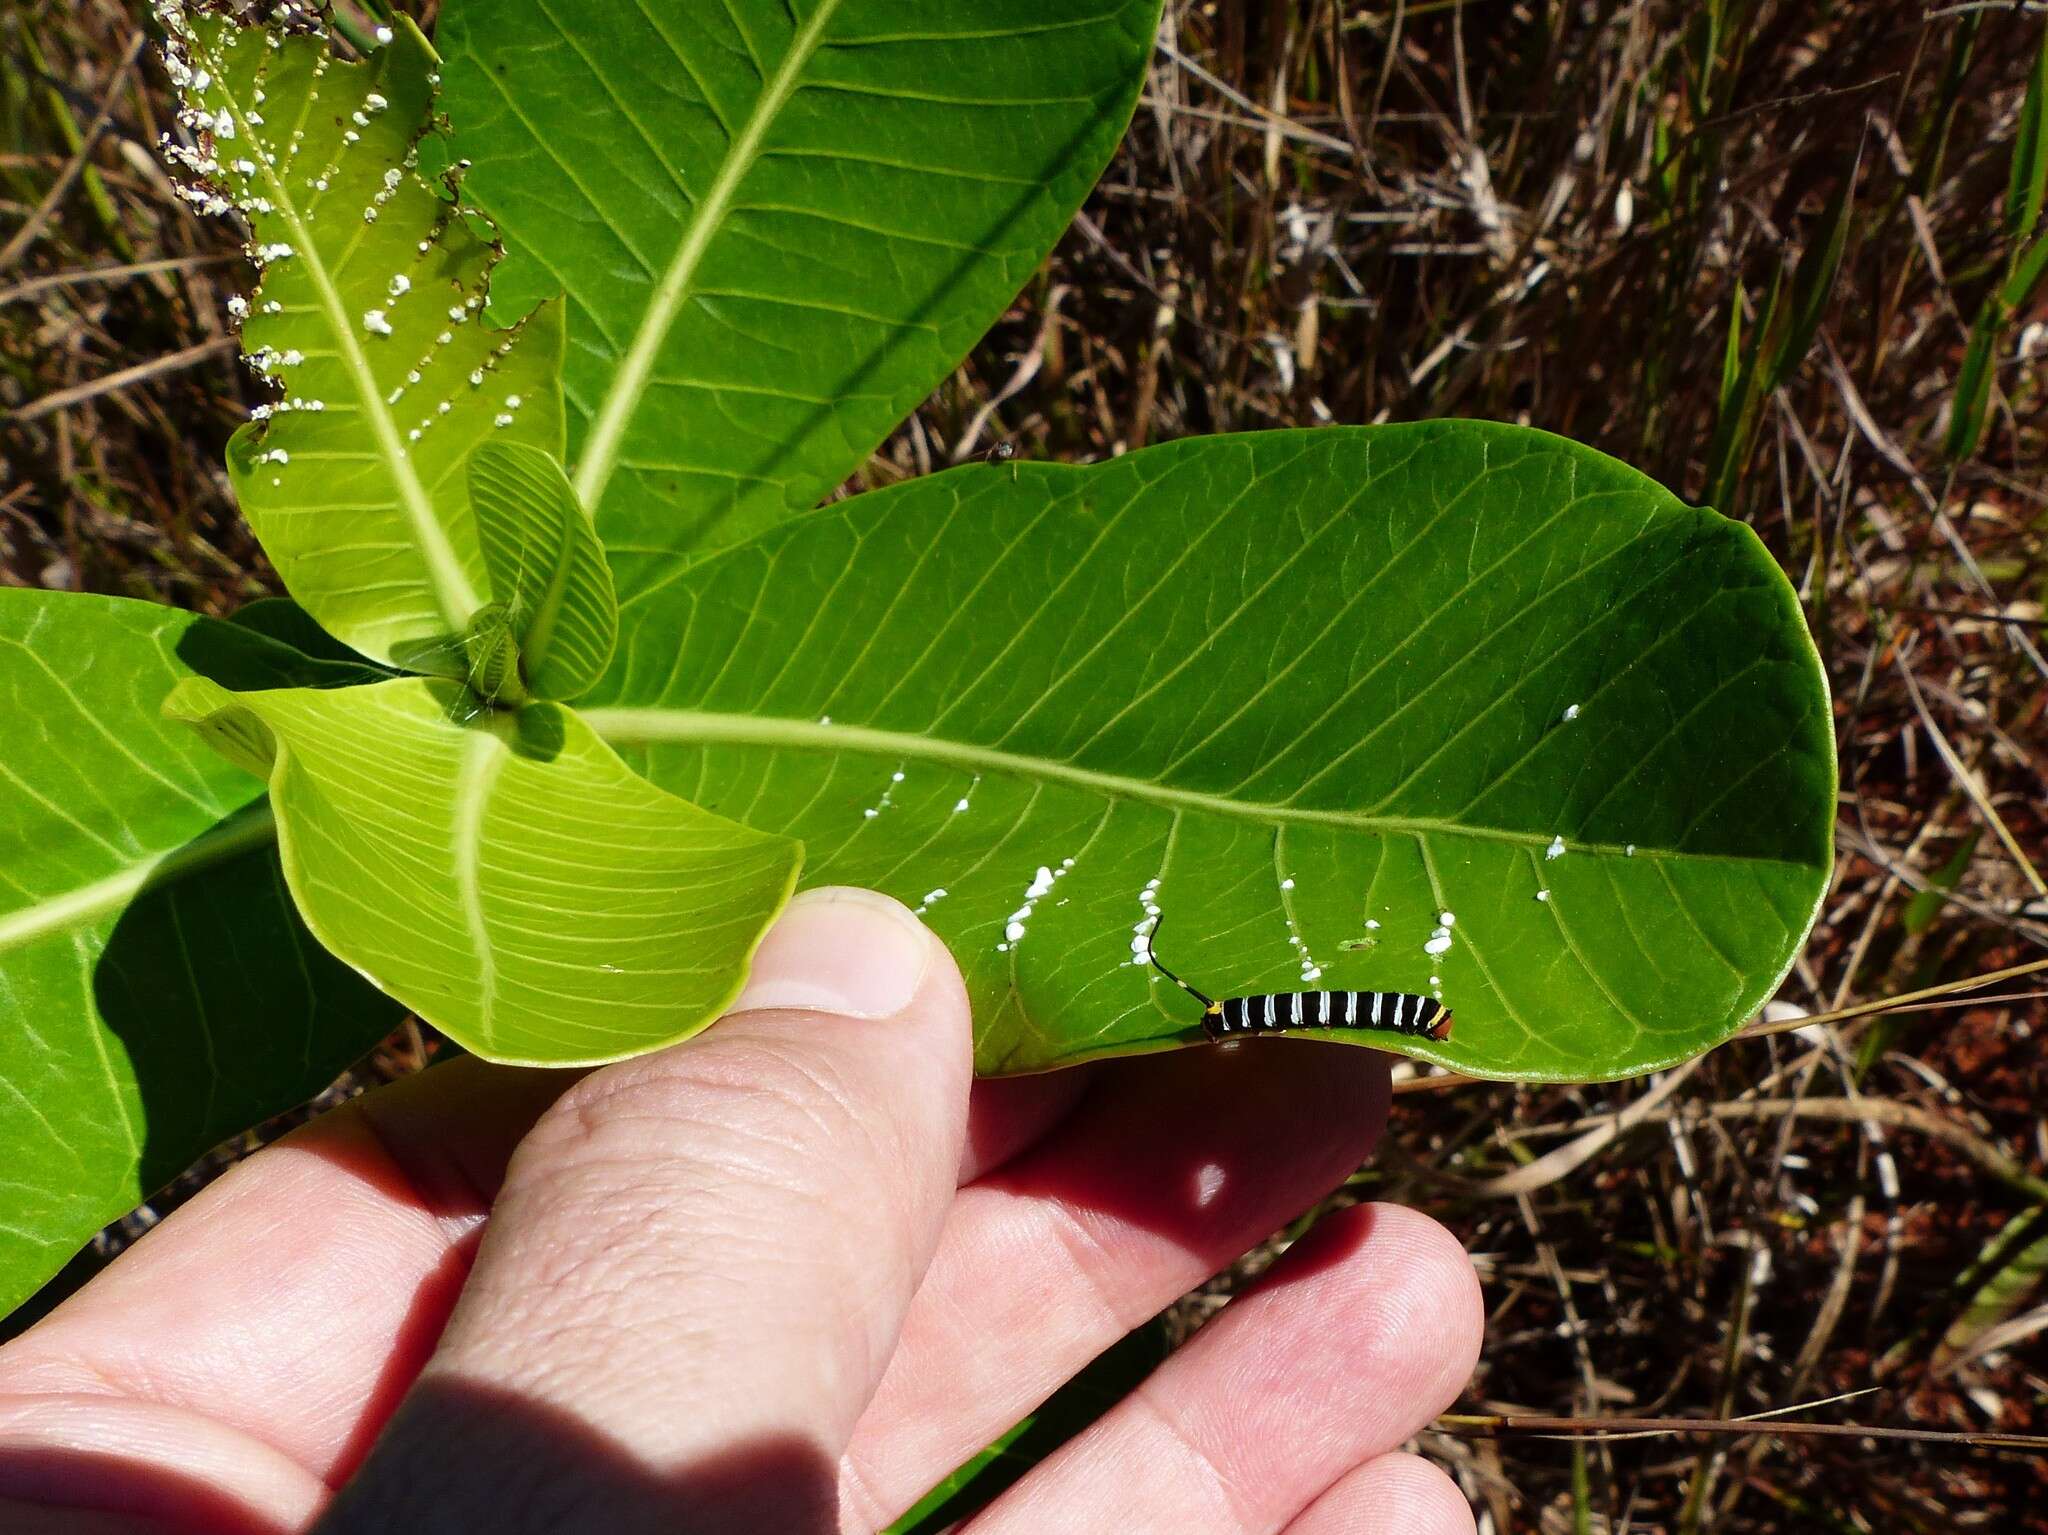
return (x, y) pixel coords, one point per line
(1211, 1148)
(90, 1491)
(460, 1457)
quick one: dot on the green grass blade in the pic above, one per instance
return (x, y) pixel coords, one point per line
(1813, 282)
(2029, 177)
(1973, 385)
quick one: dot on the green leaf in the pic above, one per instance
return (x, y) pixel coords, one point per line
(1107, 1379)
(1813, 282)
(1972, 397)
(1926, 906)
(2029, 177)
(157, 991)
(369, 317)
(778, 226)
(2028, 266)
(1742, 401)
(546, 566)
(503, 875)
(1306, 682)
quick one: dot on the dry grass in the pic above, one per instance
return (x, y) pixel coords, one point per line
(1543, 211)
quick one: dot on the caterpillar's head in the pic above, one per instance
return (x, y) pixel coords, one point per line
(1441, 1029)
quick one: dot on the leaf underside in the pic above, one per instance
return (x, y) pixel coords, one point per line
(157, 990)
(778, 229)
(1313, 685)
(504, 875)
(546, 567)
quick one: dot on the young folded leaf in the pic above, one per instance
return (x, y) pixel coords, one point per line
(503, 874)
(369, 315)
(546, 569)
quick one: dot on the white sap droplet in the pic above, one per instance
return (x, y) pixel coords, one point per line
(384, 36)
(504, 418)
(1572, 713)
(400, 286)
(962, 805)
(1543, 895)
(1629, 851)
(1287, 884)
(1556, 848)
(375, 323)
(1371, 925)
(1438, 944)
(1014, 932)
(1447, 918)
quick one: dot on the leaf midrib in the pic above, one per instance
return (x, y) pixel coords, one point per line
(453, 594)
(250, 829)
(623, 727)
(483, 759)
(614, 414)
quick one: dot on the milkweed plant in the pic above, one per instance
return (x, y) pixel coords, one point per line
(570, 322)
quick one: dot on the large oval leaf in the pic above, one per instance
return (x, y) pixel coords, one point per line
(779, 226)
(503, 874)
(157, 991)
(1303, 693)
(369, 316)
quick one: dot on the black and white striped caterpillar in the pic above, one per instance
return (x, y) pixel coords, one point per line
(1403, 1012)
(1398, 1012)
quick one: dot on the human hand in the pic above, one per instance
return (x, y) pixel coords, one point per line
(782, 1278)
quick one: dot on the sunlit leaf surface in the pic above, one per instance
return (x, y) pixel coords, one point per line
(1452, 707)
(778, 226)
(369, 318)
(502, 874)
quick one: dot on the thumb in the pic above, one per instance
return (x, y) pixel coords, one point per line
(699, 1262)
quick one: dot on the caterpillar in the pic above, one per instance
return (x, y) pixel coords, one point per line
(1398, 1012)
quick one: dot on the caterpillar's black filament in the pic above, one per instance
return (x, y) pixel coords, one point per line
(1397, 1012)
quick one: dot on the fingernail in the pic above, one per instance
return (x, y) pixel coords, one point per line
(840, 950)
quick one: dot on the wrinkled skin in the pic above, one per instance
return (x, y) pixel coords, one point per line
(781, 1278)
